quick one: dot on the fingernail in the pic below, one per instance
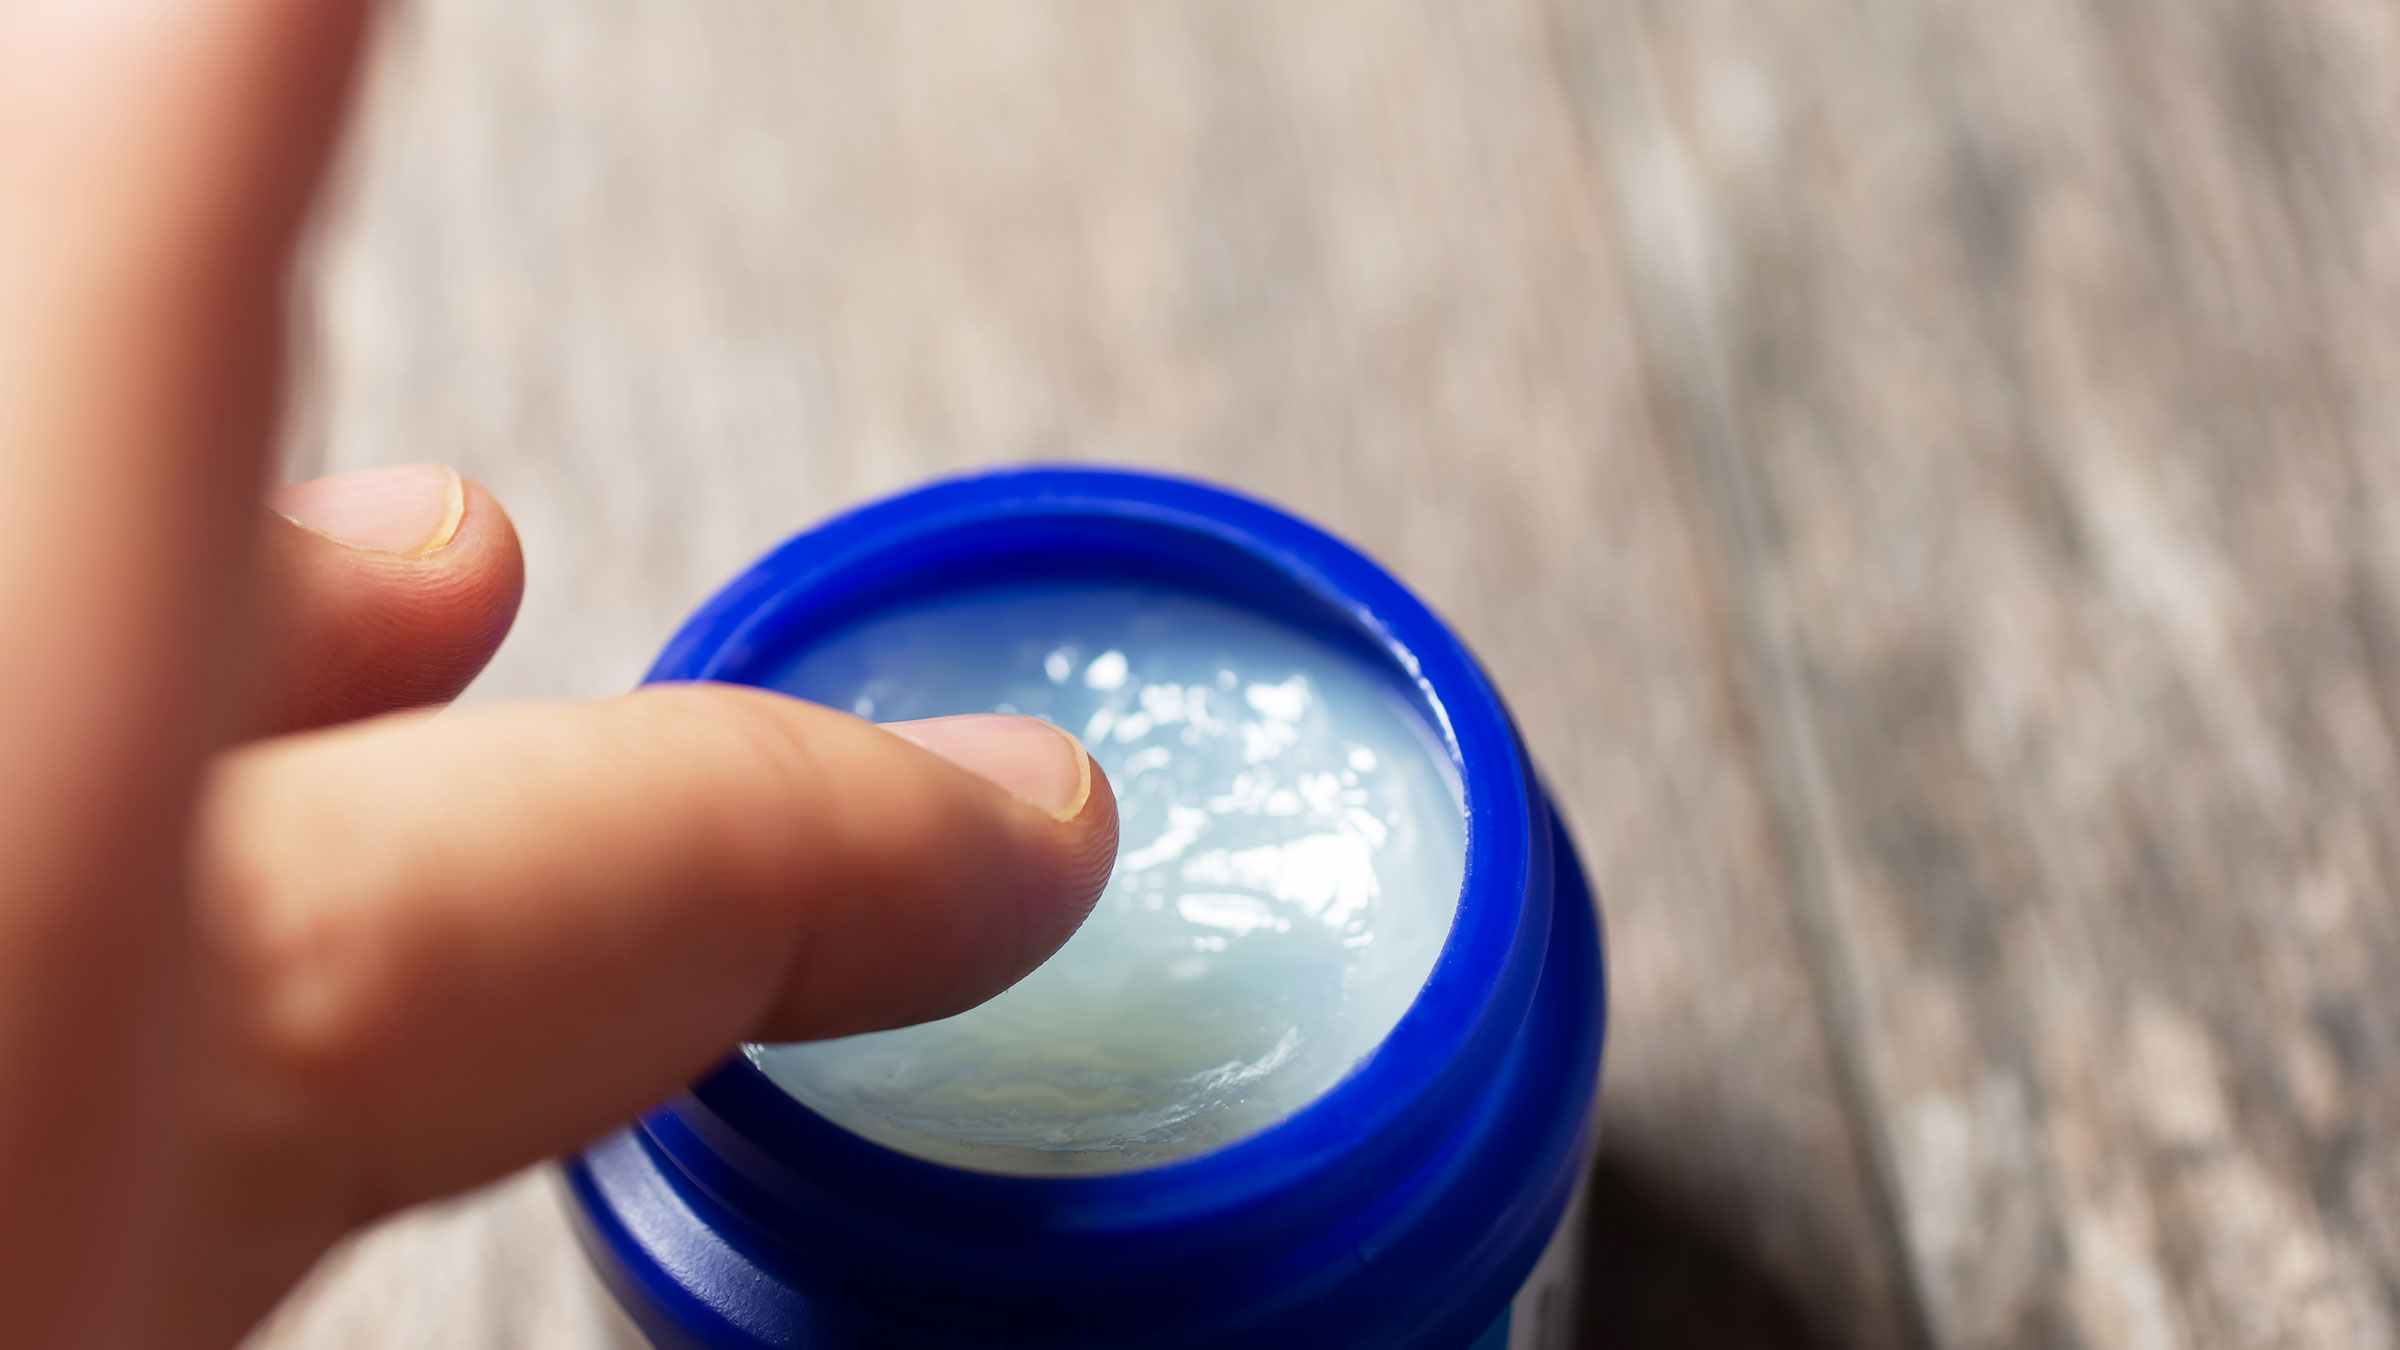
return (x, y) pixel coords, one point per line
(405, 509)
(1029, 758)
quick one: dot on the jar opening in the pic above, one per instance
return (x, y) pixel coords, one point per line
(1290, 863)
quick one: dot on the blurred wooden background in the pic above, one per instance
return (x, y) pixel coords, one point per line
(1926, 471)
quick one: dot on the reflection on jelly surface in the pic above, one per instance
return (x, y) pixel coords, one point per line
(1291, 852)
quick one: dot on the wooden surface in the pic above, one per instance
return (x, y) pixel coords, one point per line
(1926, 472)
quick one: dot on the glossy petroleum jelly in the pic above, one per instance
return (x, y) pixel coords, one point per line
(1290, 860)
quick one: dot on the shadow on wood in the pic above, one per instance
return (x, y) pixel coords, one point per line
(1662, 1269)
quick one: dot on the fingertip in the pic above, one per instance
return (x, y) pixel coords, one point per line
(1043, 766)
(1095, 826)
(385, 594)
(922, 868)
(490, 555)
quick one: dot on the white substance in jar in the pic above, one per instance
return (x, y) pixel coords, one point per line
(1290, 860)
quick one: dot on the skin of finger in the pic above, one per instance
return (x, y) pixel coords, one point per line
(155, 159)
(469, 941)
(346, 633)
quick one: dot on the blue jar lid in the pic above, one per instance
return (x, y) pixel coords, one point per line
(1401, 1208)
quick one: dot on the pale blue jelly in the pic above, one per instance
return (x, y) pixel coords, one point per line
(1291, 854)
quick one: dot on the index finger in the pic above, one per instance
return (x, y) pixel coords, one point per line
(471, 940)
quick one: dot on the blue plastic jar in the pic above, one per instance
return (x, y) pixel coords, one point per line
(1407, 1207)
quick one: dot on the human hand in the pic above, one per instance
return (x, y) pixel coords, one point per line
(255, 992)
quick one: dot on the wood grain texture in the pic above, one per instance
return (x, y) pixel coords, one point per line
(2035, 365)
(1922, 471)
